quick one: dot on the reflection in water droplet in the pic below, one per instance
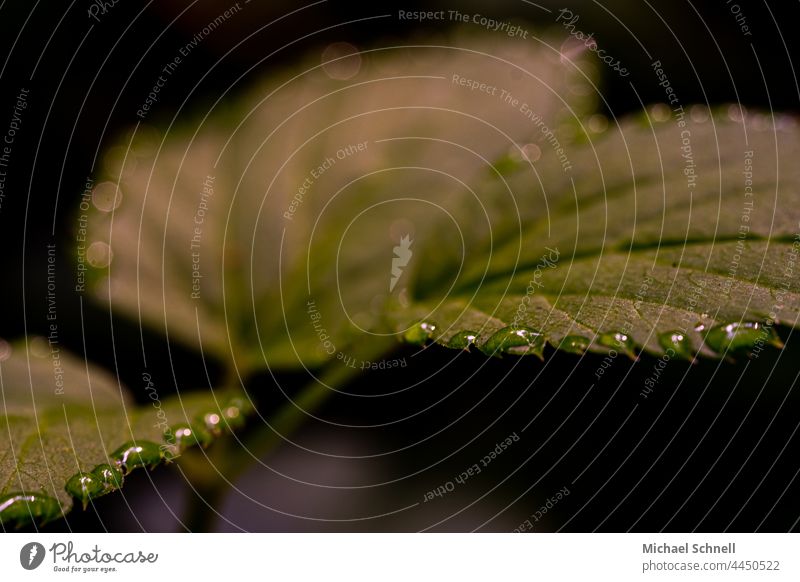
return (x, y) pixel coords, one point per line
(677, 342)
(5, 350)
(741, 337)
(106, 196)
(183, 436)
(137, 454)
(616, 340)
(25, 508)
(463, 340)
(574, 344)
(341, 60)
(419, 333)
(84, 486)
(212, 421)
(99, 254)
(518, 341)
(110, 476)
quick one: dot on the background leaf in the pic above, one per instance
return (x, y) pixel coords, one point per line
(315, 179)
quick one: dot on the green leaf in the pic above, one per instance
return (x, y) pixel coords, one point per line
(72, 432)
(677, 237)
(263, 232)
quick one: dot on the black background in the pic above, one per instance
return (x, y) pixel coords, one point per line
(713, 448)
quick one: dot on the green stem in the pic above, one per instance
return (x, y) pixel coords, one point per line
(232, 461)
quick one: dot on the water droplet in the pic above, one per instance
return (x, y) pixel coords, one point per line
(597, 123)
(106, 196)
(574, 344)
(699, 326)
(341, 61)
(84, 486)
(736, 112)
(243, 403)
(110, 476)
(137, 454)
(28, 508)
(660, 112)
(531, 152)
(699, 113)
(741, 337)
(616, 340)
(183, 436)
(212, 421)
(99, 254)
(678, 343)
(463, 340)
(419, 333)
(233, 417)
(39, 347)
(518, 341)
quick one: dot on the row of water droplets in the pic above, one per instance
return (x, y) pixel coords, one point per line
(729, 338)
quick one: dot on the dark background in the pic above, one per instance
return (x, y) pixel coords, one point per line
(714, 447)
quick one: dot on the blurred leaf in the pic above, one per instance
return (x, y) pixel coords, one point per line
(263, 233)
